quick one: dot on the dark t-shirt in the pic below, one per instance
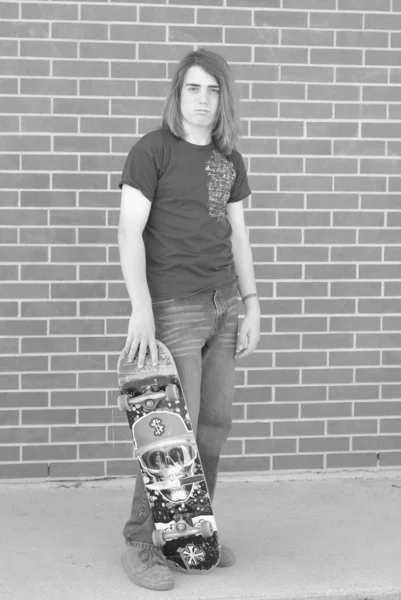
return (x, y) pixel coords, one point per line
(187, 236)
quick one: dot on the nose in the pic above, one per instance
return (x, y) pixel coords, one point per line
(203, 98)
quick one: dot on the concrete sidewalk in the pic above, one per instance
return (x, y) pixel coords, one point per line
(317, 538)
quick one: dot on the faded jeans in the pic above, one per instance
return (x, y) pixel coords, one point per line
(201, 333)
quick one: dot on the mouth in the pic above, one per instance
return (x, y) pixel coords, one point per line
(200, 110)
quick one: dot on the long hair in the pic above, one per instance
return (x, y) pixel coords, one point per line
(226, 127)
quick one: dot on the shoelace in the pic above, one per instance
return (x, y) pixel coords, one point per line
(152, 556)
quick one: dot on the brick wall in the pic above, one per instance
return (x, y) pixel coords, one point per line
(320, 86)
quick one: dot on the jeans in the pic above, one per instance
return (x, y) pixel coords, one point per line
(201, 333)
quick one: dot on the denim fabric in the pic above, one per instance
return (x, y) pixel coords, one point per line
(201, 333)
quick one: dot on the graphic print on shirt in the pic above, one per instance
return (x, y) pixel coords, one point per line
(221, 175)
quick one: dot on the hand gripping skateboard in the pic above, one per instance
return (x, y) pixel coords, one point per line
(169, 461)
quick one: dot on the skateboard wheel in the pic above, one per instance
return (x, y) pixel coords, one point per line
(157, 537)
(206, 529)
(172, 392)
(123, 403)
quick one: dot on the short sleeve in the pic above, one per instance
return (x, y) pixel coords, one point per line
(140, 172)
(240, 188)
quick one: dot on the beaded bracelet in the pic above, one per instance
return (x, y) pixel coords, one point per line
(254, 295)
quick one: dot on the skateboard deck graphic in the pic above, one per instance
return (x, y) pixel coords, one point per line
(165, 446)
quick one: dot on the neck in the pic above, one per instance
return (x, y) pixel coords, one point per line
(199, 137)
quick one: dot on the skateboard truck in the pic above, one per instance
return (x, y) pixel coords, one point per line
(180, 529)
(149, 398)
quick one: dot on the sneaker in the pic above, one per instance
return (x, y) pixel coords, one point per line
(227, 557)
(146, 567)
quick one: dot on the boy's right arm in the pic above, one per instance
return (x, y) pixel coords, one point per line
(135, 209)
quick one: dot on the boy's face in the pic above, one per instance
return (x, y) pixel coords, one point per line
(200, 96)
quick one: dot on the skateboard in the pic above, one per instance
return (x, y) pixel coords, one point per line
(165, 446)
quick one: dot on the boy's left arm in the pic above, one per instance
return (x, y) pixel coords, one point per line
(249, 332)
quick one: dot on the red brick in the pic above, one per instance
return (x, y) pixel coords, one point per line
(351, 426)
(9, 417)
(354, 324)
(121, 468)
(302, 254)
(306, 289)
(331, 444)
(8, 123)
(49, 452)
(69, 399)
(97, 380)
(270, 446)
(390, 459)
(275, 165)
(330, 272)
(23, 471)
(356, 255)
(349, 460)
(329, 129)
(362, 39)
(379, 305)
(389, 426)
(112, 14)
(273, 377)
(252, 3)
(20, 399)
(378, 340)
(330, 236)
(326, 410)
(301, 359)
(306, 183)
(306, 37)
(119, 433)
(391, 323)
(305, 147)
(8, 309)
(78, 434)
(338, 359)
(251, 35)
(273, 18)
(12, 104)
(377, 375)
(51, 87)
(358, 288)
(8, 346)
(272, 55)
(358, 147)
(76, 469)
(300, 393)
(47, 381)
(24, 143)
(330, 306)
(275, 236)
(48, 49)
(300, 461)
(26, 180)
(9, 453)
(327, 376)
(245, 463)
(9, 382)
(376, 442)
(307, 74)
(24, 435)
(9, 48)
(8, 273)
(254, 394)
